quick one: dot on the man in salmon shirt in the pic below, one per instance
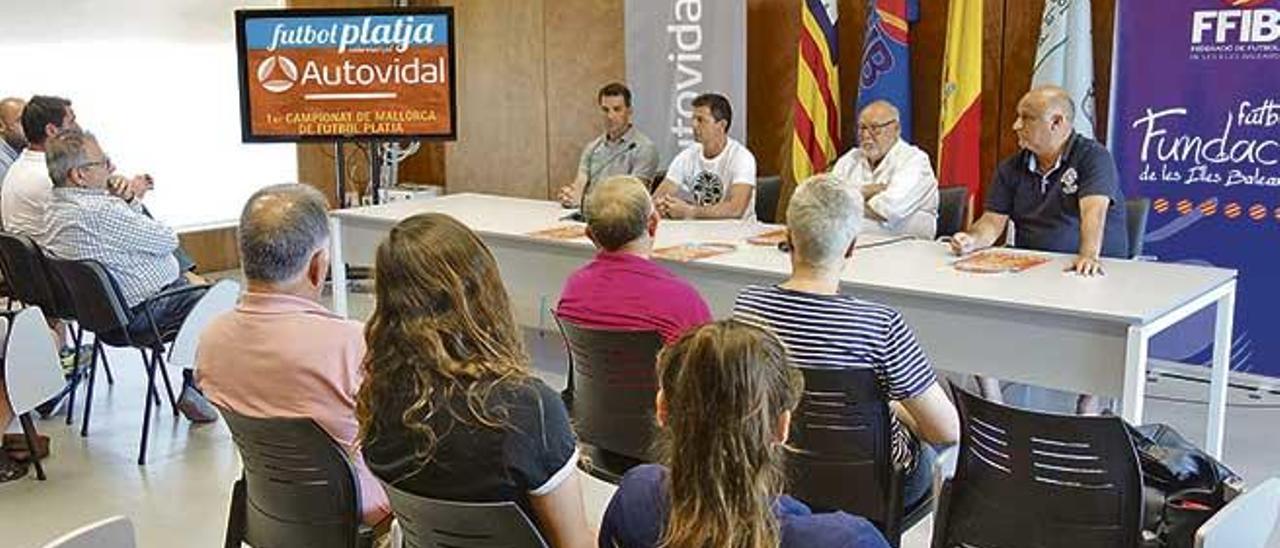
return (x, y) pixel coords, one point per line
(280, 354)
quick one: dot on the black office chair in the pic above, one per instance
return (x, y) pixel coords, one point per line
(768, 192)
(953, 208)
(297, 488)
(1136, 223)
(1039, 480)
(34, 284)
(100, 308)
(843, 451)
(614, 385)
(432, 523)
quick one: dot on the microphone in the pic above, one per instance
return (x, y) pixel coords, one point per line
(591, 175)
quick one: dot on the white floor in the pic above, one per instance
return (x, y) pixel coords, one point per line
(180, 497)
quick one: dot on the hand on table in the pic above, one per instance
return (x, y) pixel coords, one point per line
(674, 208)
(962, 243)
(1086, 266)
(566, 196)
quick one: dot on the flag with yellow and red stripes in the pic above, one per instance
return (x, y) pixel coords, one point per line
(816, 113)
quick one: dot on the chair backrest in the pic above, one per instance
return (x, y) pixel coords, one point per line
(24, 271)
(114, 532)
(1025, 478)
(614, 387)
(953, 208)
(300, 489)
(99, 305)
(1251, 520)
(219, 298)
(1136, 223)
(840, 434)
(32, 371)
(432, 523)
(768, 192)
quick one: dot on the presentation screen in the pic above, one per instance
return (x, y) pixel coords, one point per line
(329, 75)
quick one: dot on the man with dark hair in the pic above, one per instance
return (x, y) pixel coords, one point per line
(12, 139)
(84, 220)
(622, 288)
(620, 150)
(27, 190)
(280, 353)
(715, 177)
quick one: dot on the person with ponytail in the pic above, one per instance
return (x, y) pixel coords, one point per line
(449, 408)
(724, 408)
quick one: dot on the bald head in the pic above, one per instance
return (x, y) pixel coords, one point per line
(11, 122)
(281, 228)
(618, 212)
(1053, 100)
(1044, 120)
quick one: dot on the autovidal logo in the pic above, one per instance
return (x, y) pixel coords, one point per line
(1246, 23)
(277, 73)
(393, 36)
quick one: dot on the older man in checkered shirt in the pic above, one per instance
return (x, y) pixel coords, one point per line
(85, 220)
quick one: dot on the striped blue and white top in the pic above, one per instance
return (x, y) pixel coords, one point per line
(843, 331)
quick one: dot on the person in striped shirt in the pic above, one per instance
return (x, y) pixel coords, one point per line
(820, 327)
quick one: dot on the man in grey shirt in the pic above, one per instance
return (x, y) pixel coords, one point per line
(621, 150)
(12, 139)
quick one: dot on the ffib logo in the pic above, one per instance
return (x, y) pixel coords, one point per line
(277, 73)
(1246, 23)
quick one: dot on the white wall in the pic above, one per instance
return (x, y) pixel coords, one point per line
(156, 81)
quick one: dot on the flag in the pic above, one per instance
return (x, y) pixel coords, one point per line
(886, 63)
(816, 113)
(961, 120)
(1064, 56)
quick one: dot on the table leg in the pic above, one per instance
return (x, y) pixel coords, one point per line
(1135, 375)
(1222, 330)
(337, 267)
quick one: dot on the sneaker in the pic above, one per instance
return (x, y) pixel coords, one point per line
(67, 355)
(195, 407)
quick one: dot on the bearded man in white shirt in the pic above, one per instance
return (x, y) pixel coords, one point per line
(896, 179)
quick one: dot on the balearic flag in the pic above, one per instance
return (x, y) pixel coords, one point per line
(886, 63)
(1064, 56)
(816, 113)
(961, 120)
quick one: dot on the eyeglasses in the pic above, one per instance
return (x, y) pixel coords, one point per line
(875, 129)
(104, 162)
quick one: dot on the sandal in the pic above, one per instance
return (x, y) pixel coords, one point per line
(16, 446)
(10, 470)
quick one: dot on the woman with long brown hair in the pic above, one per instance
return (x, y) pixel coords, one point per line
(724, 406)
(449, 408)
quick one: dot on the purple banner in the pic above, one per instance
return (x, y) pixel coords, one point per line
(1195, 127)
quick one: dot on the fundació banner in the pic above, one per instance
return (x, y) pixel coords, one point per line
(1195, 127)
(341, 74)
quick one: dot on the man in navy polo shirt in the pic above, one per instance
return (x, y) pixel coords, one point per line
(1061, 190)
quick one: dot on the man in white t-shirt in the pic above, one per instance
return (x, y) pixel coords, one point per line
(714, 178)
(895, 178)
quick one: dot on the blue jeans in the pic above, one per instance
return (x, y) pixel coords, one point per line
(169, 313)
(919, 480)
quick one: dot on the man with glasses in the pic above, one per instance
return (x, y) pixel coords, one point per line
(86, 220)
(895, 178)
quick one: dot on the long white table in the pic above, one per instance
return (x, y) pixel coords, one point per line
(1042, 326)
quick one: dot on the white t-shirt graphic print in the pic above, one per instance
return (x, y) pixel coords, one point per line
(705, 181)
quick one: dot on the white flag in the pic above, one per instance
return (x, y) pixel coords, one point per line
(1064, 56)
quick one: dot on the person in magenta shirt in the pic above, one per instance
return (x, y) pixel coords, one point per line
(280, 354)
(622, 289)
